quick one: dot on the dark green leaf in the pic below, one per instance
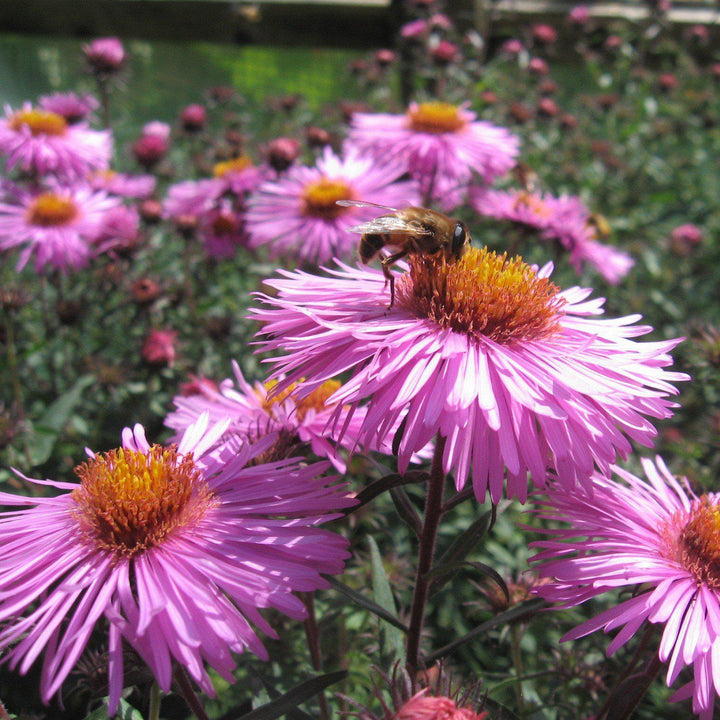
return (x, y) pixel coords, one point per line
(441, 574)
(627, 695)
(273, 692)
(466, 542)
(406, 510)
(392, 639)
(55, 418)
(520, 612)
(363, 602)
(498, 711)
(386, 483)
(292, 698)
(125, 711)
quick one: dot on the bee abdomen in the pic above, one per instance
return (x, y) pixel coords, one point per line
(370, 246)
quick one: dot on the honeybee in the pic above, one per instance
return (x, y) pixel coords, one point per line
(414, 231)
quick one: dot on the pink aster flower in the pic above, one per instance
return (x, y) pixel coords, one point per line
(129, 186)
(256, 410)
(440, 145)
(298, 213)
(564, 220)
(170, 550)
(654, 534)
(71, 106)
(218, 204)
(105, 55)
(414, 29)
(423, 706)
(120, 229)
(60, 227)
(159, 347)
(42, 142)
(485, 352)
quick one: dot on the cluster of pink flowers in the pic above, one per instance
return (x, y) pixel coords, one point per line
(216, 207)
(64, 205)
(563, 220)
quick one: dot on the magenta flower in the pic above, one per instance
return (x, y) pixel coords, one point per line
(256, 410)
(218, 204)
(122, 184)
(654, 534)
(160, 347)
(484, 351)
(174, 547)
(298, 214)
(71, 106)
(42, 142)
(105, 55)
(61, 227)
(440, 145)
(564, 220)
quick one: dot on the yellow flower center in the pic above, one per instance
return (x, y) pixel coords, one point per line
(320, 198)
(235, 165)
(51, 210)
(314, 401)
(129, 501)
(435, 117)
(532, 203)
(482, 294)
(698, 545)
(40, 122)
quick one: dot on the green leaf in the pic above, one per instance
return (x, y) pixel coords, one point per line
(498, 711)
(527, 609)
(292, 698)
(125, 711)
(467, 541)
(441, 574)
(48, 427)
(383, 484)
(274, 693)
(405, 510)
(392, 641)
(366, 603)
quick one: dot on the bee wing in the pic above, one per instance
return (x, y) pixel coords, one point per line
(391, 224)
(364, 203)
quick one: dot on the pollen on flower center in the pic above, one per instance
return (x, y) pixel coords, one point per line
(51, 210)
(131, 501)
(435, 117)
(320, 198)
(39, 122)
(482, 294)
(698, 545)
(314, 401)
(236, 165)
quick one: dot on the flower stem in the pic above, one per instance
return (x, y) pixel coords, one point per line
(312, 633)
(154, 709)
(433, 513)
(653, 668)
(104, 92)
(188, 694)
(516, 634)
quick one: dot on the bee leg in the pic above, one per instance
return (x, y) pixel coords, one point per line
(386, 262)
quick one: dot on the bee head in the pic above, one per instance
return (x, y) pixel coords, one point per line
(460, 240)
